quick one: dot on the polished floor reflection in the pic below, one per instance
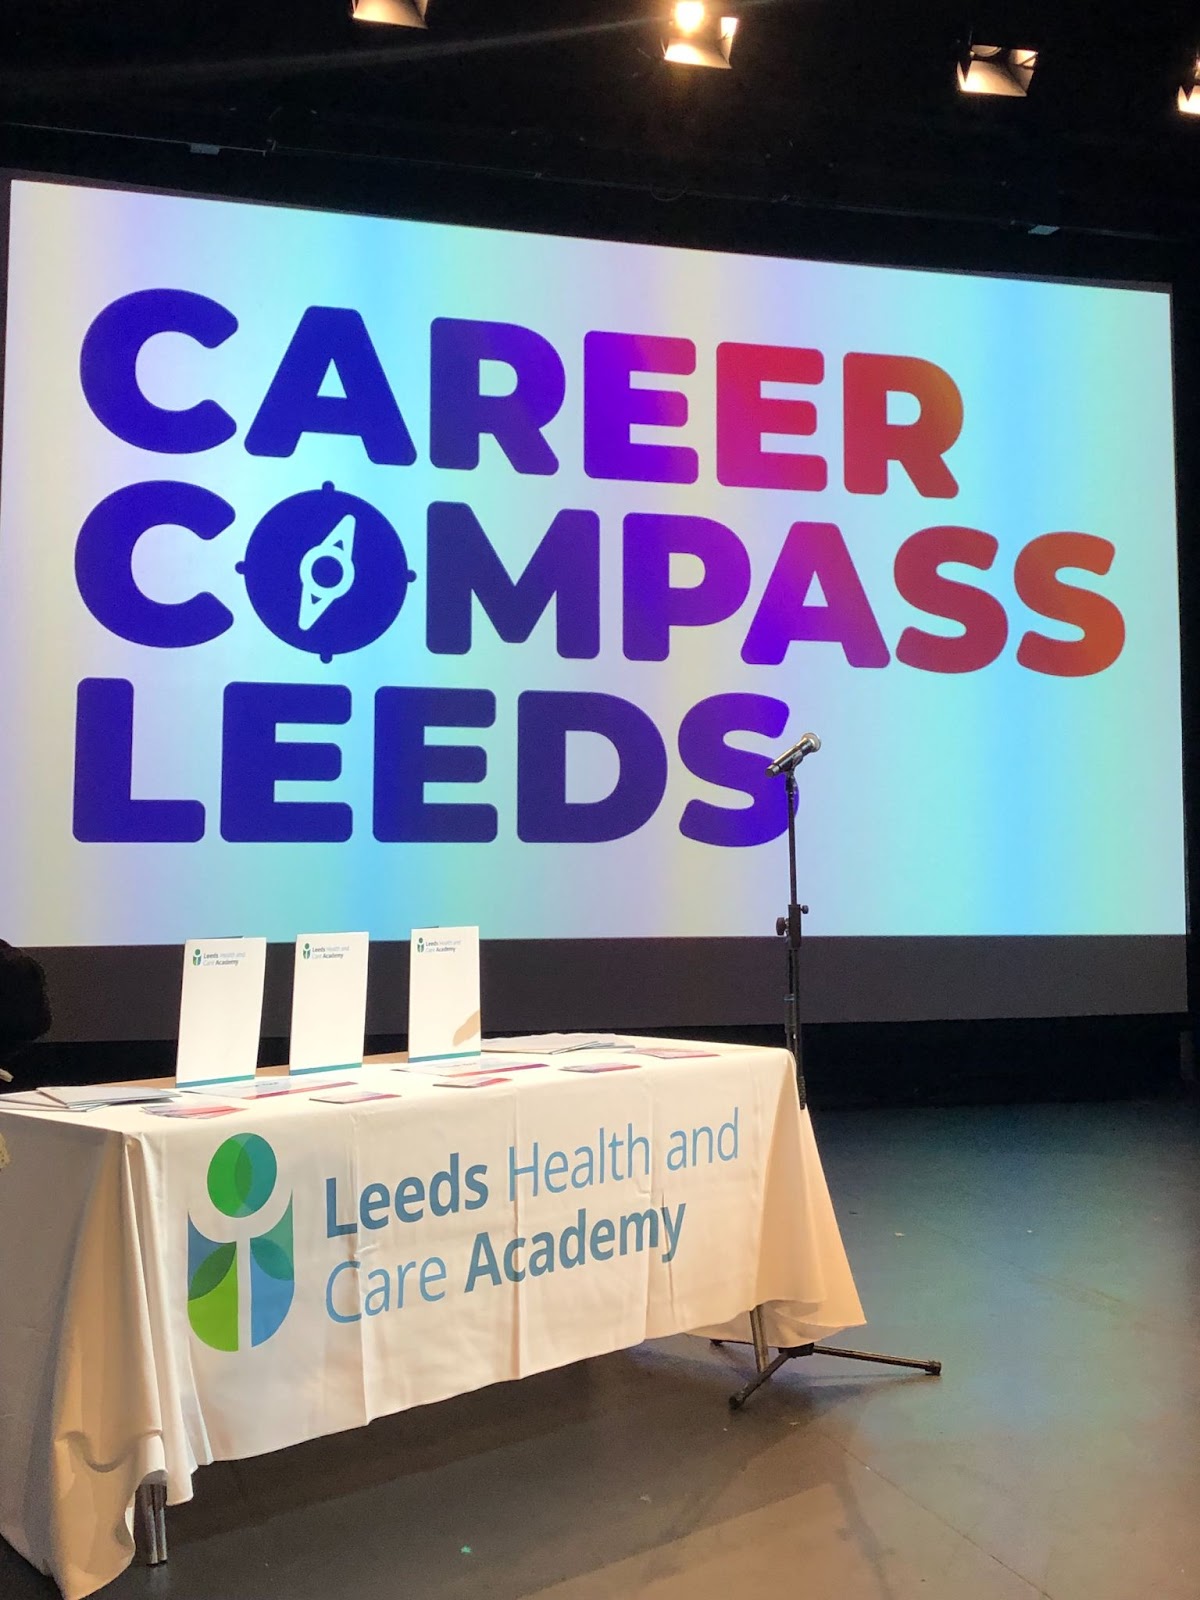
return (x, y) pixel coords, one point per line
(1049, 1255)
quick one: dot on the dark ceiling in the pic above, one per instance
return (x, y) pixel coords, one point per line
(841, 105)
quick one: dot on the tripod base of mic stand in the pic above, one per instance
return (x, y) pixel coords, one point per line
(768, 1368)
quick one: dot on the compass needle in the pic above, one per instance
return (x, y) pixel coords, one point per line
(336, 549)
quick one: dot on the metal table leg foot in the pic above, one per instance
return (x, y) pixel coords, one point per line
(151, 1521)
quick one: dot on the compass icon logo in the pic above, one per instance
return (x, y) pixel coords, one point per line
(326, 572)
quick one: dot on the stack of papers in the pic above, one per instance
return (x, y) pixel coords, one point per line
(472, 1067)
(270, 1088)
(33, 1101)
(91, 1097)
(552, 1044)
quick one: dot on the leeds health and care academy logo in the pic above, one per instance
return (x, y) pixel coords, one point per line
(241, 1180)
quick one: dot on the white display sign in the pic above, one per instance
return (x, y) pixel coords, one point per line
(329, 1001)
(443, 994)
(220, 1011)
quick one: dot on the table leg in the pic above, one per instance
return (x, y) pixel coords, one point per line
(762, 1353)
(152, 1515)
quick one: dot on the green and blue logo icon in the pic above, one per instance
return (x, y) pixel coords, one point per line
(196, 958)
(307, 952)
(242, 1177)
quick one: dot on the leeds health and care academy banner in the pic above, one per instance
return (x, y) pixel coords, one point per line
(365, 573)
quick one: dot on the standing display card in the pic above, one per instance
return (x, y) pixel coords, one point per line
(220, 1011)
(443, 994)
(329, 1002)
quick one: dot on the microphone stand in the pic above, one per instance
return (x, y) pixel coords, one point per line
(792, 926)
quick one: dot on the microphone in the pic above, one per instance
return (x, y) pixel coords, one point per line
(808, 745)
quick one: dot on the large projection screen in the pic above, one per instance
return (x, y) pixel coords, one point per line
(367, 573)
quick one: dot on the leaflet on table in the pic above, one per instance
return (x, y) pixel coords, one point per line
(443, 994)
(473, 1067)
(329, 1002)
(353, 1096)
(600, 1066)
(670, 1055)
(272, 1088)
(91, 1096)
(552, 1044)
(220, 1011)
(34, 1100)
(190, 1111)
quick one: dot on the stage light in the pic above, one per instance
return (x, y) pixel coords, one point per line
(697, 38)
(1189, 92)
(394, 13)
(689, 15)
(994, 69)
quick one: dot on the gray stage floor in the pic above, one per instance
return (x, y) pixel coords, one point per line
(1049, 1255)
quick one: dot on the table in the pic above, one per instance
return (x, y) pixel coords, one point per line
(177, 1292)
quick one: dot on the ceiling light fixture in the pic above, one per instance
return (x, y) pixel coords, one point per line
(1189, 92)
(995, 69)
(696, 37)
(392, 13)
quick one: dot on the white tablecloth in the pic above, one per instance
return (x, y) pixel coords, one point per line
(169, 1298)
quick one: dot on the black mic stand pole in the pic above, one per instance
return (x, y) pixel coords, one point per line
(792, 926)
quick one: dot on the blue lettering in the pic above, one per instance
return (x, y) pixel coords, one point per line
(541, 1257)
(433, 1271)
(334, 1228)
(512, 1272)
(463, 567)
(444, 1192)
(105, 811)
(672, 1228)
(483, 1263)
(702, 745)
(478, 1189)
(515, 1172)
(544, 814)
(255, 760)
(373, 1205)
(652, 604)
(335, 1315)
(330, 336)
(410, 1195)
(730, 1127)
(104, 564)
(601, 1239)
(108, 370)
(404, 764)
(378, 1298)
(459, 413)
(574, 1236)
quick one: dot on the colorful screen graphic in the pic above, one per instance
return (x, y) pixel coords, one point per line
(368, 573)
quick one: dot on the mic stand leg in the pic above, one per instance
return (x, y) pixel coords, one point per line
(792, 926)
